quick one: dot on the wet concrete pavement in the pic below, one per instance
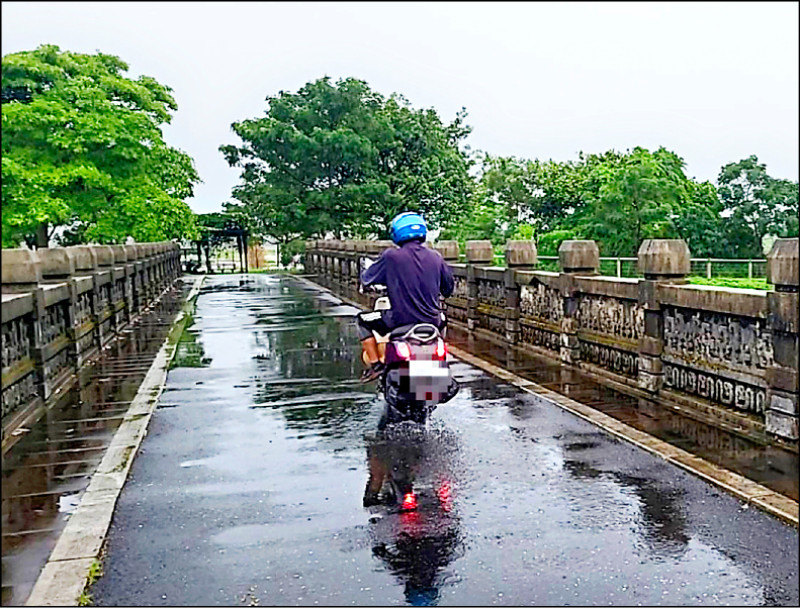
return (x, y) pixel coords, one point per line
(249, 488)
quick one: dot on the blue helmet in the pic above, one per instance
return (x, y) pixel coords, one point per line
(407, 226)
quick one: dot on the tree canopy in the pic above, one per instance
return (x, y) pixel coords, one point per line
(340, 158)
(619, 199)
(83, 150)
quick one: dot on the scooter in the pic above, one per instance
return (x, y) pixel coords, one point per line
(416, 377)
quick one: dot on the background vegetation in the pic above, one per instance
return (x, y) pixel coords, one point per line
(84, 160)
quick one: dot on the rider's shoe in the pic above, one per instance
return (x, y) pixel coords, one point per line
(373, 372)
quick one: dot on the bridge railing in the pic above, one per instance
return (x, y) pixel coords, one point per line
(725, 354)
(62, 305)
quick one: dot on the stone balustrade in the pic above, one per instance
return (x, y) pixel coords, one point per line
(61, 306)
(724, 353)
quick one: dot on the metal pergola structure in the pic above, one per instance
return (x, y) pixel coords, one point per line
(203, 245)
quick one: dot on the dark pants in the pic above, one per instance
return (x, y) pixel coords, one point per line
(374, 320)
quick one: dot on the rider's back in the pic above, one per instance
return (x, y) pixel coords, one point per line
(414, 276)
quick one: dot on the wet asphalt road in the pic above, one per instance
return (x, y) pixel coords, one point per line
(249, 488)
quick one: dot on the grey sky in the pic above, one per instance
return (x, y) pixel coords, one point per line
(713, 82)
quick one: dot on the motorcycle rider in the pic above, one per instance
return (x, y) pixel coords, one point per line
(414, 276)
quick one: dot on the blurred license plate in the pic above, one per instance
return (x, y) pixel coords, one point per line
(427, 369)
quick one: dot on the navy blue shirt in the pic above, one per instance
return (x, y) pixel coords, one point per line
(414, 277)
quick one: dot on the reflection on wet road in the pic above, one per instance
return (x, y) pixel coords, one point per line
(263, 481)
(47, 470)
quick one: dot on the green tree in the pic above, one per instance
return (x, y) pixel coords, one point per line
(339, 157)
(83, 150)
(755, 205)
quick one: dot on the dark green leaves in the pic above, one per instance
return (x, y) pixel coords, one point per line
(340, 158)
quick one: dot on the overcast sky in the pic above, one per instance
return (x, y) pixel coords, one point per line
(713, 82)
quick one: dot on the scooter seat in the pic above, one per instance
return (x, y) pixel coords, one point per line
(423, 332)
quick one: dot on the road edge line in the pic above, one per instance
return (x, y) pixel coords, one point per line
(63, 578)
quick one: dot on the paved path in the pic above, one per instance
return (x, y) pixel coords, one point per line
(248, 489)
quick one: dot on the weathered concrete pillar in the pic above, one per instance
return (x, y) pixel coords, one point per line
(781, 415)
(520, 255)
(479, 253)
(448, 250)
(57, 266)
(578, 257)
(134, 279)
(661, 261)
(123, 271)
(309, 260)
(20, 271)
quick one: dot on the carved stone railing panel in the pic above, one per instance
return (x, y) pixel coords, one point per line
(537, 336)
(83, 309)
(21, 392)
(460, 287)
(491, 322)
(717, 357)
(456, 313)
(717, 341)
(613, 317)
(17, 345)
(55, 366)
(491, 292)
(716, 389)
(541, 302)
(623, 362)
(54, 324)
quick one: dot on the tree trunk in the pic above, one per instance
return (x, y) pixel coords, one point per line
(42, 240)
(208, 259)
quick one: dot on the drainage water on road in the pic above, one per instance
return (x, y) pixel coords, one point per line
(774, 467)
(263, 481)
(45, 473)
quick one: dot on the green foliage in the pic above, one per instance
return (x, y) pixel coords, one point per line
(731, 282)
(83, 149)
(619, 199)
(291, 249)
(755, 205)
(340, 158)
(551, 241)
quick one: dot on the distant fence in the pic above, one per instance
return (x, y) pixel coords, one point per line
(626, 267)
(729, 354)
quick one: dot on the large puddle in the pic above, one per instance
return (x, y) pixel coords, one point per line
(45, 473)
(773, 467)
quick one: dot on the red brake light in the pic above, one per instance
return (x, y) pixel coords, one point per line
(403, 351)
(409, 501)
(441, 350)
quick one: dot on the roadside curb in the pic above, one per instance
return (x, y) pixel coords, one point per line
(751, 492)
(63, 578)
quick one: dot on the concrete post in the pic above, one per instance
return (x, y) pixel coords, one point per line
(478, 253)
(309, 261)
(134, 279)
(781, 415)
(661, 261)
(448, 250)
(578, 257)
(520, 255)
(57, 266)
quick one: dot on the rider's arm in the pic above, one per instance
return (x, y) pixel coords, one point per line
(375, 274)
(446, 280)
